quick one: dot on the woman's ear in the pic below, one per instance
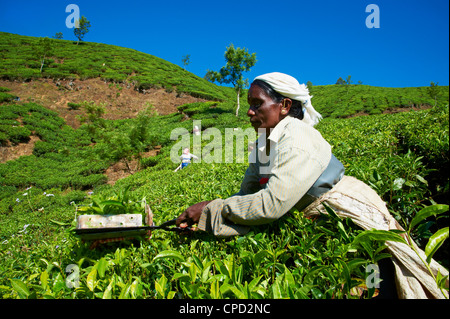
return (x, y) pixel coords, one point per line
(286, 106)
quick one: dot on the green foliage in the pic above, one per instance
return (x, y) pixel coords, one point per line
(186, 60)
(73, 106)
(435, 241)
(111, 63)
(238, 61)
(16, 134)
(42, 50)
(81, 28)
(119, 203)
(340, 101)
(3, 89)
(61, 158)
(402, 156)
(58, 35)
(6, 97)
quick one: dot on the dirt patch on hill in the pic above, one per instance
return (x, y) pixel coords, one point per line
(11, 152)
(121, 101)
(123, 169)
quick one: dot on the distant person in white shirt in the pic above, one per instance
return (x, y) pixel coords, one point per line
(186, 158)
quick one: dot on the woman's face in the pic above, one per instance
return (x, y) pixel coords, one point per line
(263, 112)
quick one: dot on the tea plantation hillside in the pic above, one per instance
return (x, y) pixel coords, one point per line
(21, 60)
(402, 155)
(340, 101)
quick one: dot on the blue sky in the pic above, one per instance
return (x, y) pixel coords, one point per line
(317, 41)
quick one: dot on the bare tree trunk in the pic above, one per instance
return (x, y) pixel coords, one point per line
(238, 104)
(42, 64)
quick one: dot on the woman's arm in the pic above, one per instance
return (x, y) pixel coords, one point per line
(294, 171)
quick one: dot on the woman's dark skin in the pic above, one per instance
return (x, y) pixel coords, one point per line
(264, 113)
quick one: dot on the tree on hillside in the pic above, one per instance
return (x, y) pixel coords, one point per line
(238, 61)
(349, 80)
(42, 50)
(83, 28)
(186, 60)
(58, 36)
(95, 124)
(340, 81)
(433, 91)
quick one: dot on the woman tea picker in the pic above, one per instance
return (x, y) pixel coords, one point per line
(302, 172)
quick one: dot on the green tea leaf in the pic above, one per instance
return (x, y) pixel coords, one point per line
(214, 290)
(435, 242)
(181, 277)
(276, 289)
(426, 212)
(345, 272)
(111, 202)
(59, 223)
(331, 212)
(107, 294)
(20, 288)
(354, 263)
(197, 262)
(289, 279)
(92, 279)
(378, 257)
(342, 231)
(398, 183)
(169, 254)
(206, 272)
(312, 274)
(102, 264)
(421, 179)
(160, 286)
(378, 235)
(44, 279)
(125, 293)
(59, 283)
(238, 293)
(253, 284)
(442, 280)
(136, 289)
(259, 256)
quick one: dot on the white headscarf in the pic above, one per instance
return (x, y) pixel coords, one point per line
(289, 87)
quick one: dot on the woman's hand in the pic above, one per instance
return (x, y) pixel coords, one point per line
(191, 215)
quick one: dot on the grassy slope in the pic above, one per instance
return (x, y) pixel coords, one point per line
(339, 101)
(92, 60)
(379, 149)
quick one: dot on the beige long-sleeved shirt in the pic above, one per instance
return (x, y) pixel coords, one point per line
(272, 184)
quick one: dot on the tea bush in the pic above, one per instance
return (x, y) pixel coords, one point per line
(60, 149)
(338, 101)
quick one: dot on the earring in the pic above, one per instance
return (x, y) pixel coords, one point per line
(284, 110)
